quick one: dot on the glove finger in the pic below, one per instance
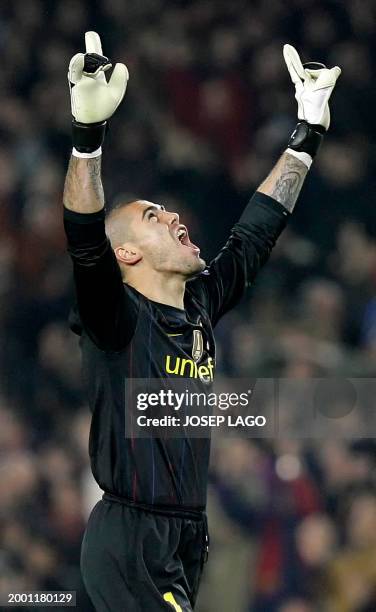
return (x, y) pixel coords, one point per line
(336, 72)
(118, 81)
(93, 43)
(293, 74)
(294, 63)
(327, 78)
(76, 66)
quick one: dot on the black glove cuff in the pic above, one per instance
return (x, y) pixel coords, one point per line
(88, 137)
(307, 138)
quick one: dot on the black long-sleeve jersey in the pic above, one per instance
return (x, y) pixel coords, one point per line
(125, 336)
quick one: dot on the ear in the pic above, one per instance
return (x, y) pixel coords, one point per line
(128, 254)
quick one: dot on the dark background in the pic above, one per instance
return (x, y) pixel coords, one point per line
(209, 107)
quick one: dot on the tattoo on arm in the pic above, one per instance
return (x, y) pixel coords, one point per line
(287, 188)
(285, 181)
(94, 168)
(83, 190)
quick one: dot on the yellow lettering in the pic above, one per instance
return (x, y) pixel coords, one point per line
(189, 368)
(168, 366)
(171, 600)
(210, 366)
(193, 368)
(203, 371)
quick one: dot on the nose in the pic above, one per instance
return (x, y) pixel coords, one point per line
(171, 217)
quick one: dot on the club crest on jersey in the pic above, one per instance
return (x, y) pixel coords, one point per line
(198, 345)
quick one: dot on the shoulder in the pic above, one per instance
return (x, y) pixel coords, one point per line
(196, 293)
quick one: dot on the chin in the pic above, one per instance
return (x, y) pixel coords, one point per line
(194, 266)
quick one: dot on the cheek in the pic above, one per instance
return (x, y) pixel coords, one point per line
(157, 245)
(153, 236)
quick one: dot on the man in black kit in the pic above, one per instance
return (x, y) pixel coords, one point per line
(146, 305)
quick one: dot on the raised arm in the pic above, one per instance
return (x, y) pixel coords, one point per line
(93, 102)
(108, 315)
(83, 190)
(313, 87)
(253, 238)
(285, 181)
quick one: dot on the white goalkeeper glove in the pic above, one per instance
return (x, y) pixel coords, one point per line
(93, 99)
(314, 84)
(313, 88)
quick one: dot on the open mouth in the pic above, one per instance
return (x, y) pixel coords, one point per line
(182, 236)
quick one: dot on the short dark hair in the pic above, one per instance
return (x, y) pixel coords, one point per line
(120, 204)
(111, 230)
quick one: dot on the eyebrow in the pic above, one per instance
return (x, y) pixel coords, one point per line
(153, 207)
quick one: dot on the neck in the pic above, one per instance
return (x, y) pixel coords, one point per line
(162, 288)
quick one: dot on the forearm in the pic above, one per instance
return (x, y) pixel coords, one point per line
(83, 190)
(285, 181)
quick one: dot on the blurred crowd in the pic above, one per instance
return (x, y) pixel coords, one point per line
(208, 109)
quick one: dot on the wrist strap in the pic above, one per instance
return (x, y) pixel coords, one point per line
(306, 138)
(88, 138)
(305, 158)
(95, 153)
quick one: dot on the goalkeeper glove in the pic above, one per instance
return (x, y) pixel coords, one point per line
(314, 84)
(93, 99)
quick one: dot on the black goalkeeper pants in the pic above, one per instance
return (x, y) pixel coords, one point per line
(140, 559)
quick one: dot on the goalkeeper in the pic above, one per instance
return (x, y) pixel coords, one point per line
(146, 301)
